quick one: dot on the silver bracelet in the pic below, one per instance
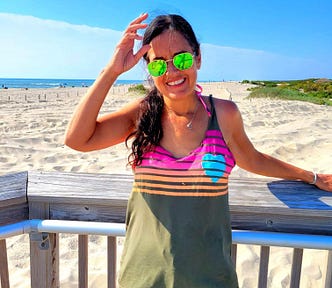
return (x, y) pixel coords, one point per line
(315, 178)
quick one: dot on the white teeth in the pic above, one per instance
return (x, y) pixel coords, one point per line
(175, 82)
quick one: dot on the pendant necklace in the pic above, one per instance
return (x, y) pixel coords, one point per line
(198, 91)
(190, 123)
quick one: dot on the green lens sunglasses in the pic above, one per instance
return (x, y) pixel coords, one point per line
(182, 61)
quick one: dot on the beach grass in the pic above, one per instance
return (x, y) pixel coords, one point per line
(139, 88)
(317, 91)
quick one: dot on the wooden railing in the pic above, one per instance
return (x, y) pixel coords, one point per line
(255, 204)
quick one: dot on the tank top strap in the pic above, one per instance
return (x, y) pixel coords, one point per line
(213, 124)
(212, 105)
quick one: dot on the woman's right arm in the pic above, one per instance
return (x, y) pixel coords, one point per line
(86, 131)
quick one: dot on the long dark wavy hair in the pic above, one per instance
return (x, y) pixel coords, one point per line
(149, 132)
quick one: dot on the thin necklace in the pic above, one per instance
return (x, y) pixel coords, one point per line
(190, 123)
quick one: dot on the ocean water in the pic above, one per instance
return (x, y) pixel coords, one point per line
(53, 83)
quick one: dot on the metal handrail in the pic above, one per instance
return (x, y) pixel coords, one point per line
(306, 241)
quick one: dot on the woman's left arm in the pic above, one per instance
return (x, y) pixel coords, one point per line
(250, 159)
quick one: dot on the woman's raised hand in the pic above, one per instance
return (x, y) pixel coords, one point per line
(124, 58)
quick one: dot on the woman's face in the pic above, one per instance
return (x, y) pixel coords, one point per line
(174, 84)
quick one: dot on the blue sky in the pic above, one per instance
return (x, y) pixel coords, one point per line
(239, 39)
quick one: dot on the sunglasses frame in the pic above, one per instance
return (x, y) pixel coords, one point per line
(164, 62)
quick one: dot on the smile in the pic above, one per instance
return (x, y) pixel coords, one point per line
(177, 82)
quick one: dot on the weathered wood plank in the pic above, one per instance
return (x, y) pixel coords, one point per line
(13, 200)
(277, 194)
(87, 212)
(288, 221)
(14, 213)
(79, 188)
(13, 189)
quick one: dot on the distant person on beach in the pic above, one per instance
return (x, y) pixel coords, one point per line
(184, 146)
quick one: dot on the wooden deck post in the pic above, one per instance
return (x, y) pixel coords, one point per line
(263, 266)
(296, 268)
(83, 260)
(328, 279)
(4, 275)
(44, 252)
(111, 262)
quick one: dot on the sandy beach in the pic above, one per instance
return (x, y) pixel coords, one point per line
(32, 127)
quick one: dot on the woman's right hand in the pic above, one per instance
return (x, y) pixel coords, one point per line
(124, 58)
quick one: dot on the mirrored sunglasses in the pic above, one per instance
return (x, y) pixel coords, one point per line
(182, 61)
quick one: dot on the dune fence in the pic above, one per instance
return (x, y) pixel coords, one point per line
(265, 212)
(38, 95)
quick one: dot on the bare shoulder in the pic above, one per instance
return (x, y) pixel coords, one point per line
(229, 118)
(225, 109)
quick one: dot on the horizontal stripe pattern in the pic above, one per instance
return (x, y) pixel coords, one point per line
(180, 194)
(204, 172)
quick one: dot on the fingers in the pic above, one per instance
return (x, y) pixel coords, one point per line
(137, 24)
(139, 19)
(131, 36)
(124, 57)
(133, 28)
(131, 33)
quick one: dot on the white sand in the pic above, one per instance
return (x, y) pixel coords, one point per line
(32, 129)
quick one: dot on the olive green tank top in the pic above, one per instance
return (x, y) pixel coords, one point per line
(178, 223)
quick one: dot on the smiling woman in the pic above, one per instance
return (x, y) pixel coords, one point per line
(184, 147)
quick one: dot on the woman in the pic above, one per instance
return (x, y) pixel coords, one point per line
(184, 148)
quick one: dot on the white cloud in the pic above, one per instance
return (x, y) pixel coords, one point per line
(38, 48)
(33, 47)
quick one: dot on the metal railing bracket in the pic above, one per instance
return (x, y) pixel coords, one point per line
(42, 238)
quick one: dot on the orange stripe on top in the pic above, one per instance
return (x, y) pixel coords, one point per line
(175, 173)
(187, 179)
(184, 186)
(179, 194)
